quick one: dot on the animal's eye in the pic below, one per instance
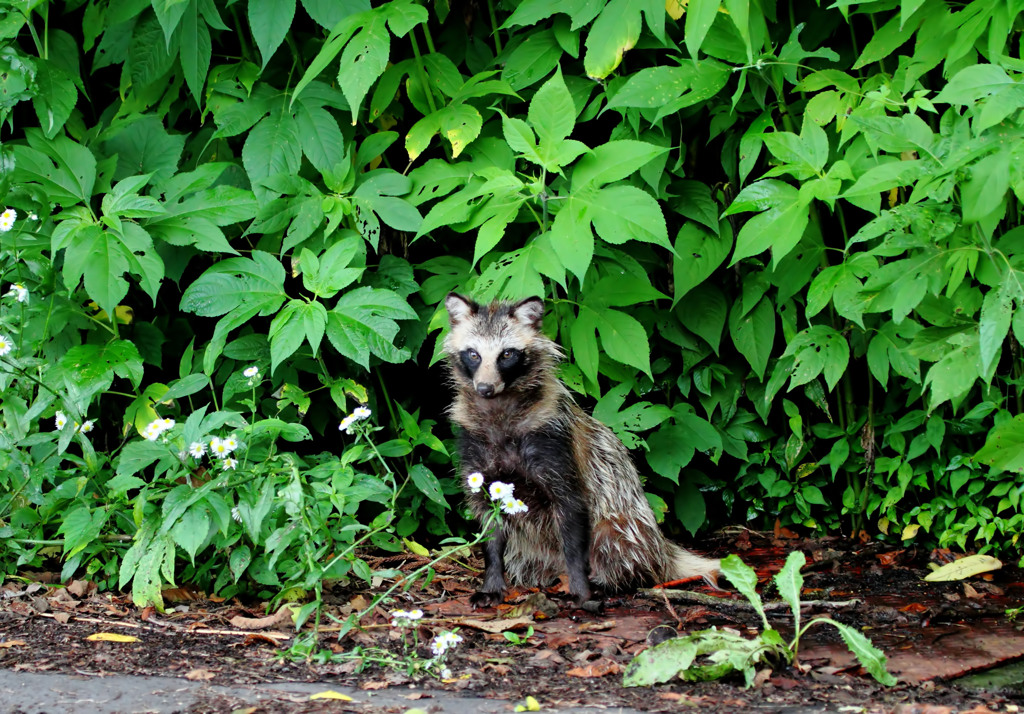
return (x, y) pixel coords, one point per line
(474, 356)
(507, 354)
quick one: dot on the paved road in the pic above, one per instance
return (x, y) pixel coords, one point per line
(32, 693)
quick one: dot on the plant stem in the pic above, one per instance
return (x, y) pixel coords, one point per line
(494, 27)
(421, 71)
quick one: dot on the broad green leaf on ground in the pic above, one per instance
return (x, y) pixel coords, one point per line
(744, 579)
(870, 657)
(790, 582)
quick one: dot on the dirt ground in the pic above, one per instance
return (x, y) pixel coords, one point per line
(932, 633)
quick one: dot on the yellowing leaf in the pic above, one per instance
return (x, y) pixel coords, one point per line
(531, 705)
(910, 531)
(675, 8)
(331, 694)
(111, 637)
(415, 547)
(964, 568)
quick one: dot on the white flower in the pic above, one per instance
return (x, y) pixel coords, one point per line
(446, 673)
(500, 491)
(5, 345)
(229, 463)
(218, 448)
(230, 443)
(86, 426)
(197, 449)
(475, 481)
(251, 371)
(444, 642)
(7, 219)
(18, 291)
(513, 506)
(361, 412)
(33, 217)
(236, 515)
(152, 431)
(401, 618)
(61, 419)
(166, 424)
(346, 424)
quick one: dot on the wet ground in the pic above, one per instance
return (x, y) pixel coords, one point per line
(228, 656)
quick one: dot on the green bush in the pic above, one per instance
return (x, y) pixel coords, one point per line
(779, 242)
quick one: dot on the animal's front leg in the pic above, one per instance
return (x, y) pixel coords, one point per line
(493, 590)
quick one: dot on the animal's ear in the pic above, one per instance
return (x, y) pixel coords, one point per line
(530, 312)
(459, 308)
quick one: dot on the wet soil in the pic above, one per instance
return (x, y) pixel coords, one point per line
(565, 657)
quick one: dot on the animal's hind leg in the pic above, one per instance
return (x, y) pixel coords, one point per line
(574, 529)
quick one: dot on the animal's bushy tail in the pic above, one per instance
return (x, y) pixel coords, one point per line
(685, 565)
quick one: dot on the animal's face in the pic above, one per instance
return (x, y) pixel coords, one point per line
(490, 346)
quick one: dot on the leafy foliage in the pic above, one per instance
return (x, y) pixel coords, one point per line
(783, 259)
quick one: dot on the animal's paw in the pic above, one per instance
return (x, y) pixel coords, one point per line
(485, 598)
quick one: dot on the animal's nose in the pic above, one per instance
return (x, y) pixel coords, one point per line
(485, 390)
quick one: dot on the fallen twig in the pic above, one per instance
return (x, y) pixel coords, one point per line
(730, 604)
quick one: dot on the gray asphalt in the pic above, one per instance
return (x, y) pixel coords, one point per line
(33, 693)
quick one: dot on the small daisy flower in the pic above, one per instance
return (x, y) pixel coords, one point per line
(446, 673)
(18, 291)
(166, 424)
(251, 371)
(475, 481)
(7, 219)
(197, 449)
(230, 443)
(86, 427)
(60, 419)
(444, 642)
(5, 345)
(152, 431)
(346, 424)
(218, 448)
(361, 412)
(513, 506)
(229, 463)
(500, 491)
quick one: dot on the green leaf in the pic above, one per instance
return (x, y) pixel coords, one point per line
(996, 313)
(779, 228)
(700, 14)
(191, 530)
(744, 579)
(552, 113)
(818, 349)
(753, 334)
(885, 41)
(364, 60)
(137, 455)
(363, 323)
(196, 49)
(272, 147)
(241, 557)
(707, 321)
(55, 97)
(869, 656)
(270, 21)
(660, 663)
(790, 582)
(622, 337)
(669, 451)
(1004, 447)
(613, 161)
(428, 484)
(986, 189)
(532, 60)
(299, 321)
(621, 213)
(698, 252)
(613, 33)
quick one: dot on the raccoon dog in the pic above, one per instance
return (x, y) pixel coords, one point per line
(588, 515)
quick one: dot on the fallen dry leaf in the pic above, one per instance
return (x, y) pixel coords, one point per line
(200, 675)
(11, 643)
(283, 616)
(597, 668)
(889, 558)
(494, 626)
(971, 593)
(81, 588)
(111, 637)
(964, 568)
(374, 684)
(331, 694)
